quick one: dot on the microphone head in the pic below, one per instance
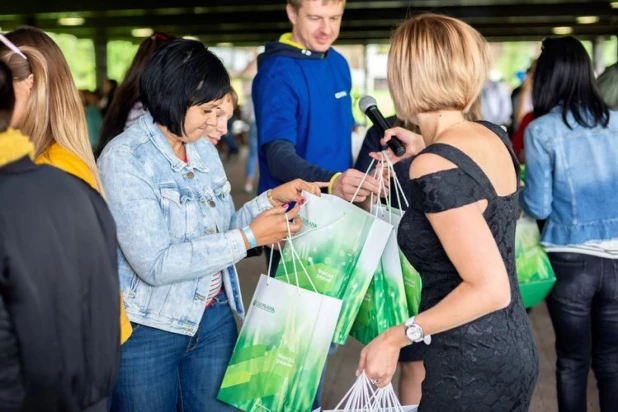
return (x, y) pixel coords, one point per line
(366, 102)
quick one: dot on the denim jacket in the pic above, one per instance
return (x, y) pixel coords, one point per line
(572, 179)
(177, 225)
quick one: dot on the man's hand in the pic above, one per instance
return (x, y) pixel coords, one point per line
(346, 185)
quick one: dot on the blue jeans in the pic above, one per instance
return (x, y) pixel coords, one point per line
(583, 307)
(163, 371)
(253, 151)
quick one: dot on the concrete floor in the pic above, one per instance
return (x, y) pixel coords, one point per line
(342, 365)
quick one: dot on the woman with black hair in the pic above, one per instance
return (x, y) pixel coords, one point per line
(180, 235)
(572, 181)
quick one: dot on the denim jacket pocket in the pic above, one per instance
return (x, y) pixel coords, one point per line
(180, 208)
(222, 189)
(221, 194)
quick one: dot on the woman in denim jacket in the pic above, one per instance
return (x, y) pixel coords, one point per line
(179, 235)
(572, 181)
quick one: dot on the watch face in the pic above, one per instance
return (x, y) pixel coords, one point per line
(414, 333)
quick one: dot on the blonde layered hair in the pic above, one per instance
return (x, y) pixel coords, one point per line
(54, 112)
(436, 63)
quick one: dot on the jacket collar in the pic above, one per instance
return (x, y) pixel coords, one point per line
(160, 141)
(23, 165)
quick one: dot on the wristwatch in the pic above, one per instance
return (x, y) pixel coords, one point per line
(414, 332)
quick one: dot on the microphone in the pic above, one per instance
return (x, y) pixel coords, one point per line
(369, 106)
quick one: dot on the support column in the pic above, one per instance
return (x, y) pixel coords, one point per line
(597, 54)
(100, 57)
(365, 90)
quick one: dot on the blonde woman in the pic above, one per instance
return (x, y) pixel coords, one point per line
(459, 231)
(48, 110)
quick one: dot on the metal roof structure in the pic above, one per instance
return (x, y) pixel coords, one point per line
(254, 22)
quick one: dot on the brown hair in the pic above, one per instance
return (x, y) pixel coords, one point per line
(36, 107)
(54, 110)
(7, 97)
(436, 63)
(128, 93)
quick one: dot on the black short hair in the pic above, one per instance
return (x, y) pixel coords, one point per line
(181, 74)
(564, 75)
(7, 96)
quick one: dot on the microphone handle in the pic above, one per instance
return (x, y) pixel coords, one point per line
(396, 146)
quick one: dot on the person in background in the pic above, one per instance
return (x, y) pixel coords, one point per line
(180, 234)
(59, 335)
(248, 115)
(572, 181)
(229, 137)
(49, 111)
(93, 115)
(127, 106)
(608, 86)
(521, 99)
(109, 90)
(524, 114)
(459, 231)
(496, 106)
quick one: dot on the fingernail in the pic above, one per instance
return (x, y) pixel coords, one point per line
(285, 205)
(302, 201)
(357, 374)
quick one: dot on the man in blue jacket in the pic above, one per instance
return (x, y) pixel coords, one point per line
(303, 106)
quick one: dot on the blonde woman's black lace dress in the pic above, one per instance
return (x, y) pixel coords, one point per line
(490, 364)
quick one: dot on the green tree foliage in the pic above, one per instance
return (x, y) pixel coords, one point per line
(119, 57)
(80, 57)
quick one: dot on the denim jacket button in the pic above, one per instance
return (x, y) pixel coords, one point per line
(212, 203)
(190, 175)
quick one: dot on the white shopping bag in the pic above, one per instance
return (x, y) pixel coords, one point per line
(362, 397)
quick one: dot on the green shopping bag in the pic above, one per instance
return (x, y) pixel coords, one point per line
(412, 284)
(281, 350)
(394, 293)
(385, 304)
(534, 272)
(340, 246)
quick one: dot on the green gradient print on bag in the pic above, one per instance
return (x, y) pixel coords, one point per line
(281, 349)
(412, 284)
(385, 304)
(340, 246)
(534, 272)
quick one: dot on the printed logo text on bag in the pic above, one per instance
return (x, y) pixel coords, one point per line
(309, 223)
(264, 306)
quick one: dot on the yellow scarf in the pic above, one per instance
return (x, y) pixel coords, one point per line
(14, 146)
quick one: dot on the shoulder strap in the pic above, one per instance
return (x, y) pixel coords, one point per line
(463, 162)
